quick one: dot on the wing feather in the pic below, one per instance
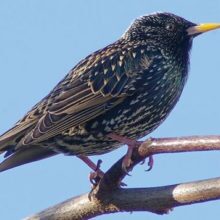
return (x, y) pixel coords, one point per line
(101, 79)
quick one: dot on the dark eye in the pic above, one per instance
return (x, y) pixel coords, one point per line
(170, 27)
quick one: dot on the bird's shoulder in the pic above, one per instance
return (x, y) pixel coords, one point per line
(109, 69)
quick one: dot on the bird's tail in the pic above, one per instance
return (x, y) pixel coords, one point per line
(26, 155)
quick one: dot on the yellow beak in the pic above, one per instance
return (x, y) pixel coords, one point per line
(201, 28)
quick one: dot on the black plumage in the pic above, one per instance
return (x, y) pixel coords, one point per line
(127, 88)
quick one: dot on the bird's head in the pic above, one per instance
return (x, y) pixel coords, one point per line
(165, 29)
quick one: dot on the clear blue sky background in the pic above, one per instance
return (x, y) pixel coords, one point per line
(41, 40)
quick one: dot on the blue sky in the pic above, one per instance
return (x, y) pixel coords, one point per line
(40, 41)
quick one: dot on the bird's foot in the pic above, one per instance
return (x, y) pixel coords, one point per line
(95, 176)
(150, 163)
(131, 143)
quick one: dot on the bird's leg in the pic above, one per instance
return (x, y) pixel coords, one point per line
(127, 158)
(124, 140)
(95, 176)
(131, 143)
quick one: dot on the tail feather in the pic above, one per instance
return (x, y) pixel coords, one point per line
(25, 155)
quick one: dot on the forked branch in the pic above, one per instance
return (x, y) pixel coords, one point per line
(108, 197)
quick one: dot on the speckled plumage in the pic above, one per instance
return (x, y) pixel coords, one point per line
(127, 88)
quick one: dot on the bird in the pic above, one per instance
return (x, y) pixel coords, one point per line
(114, 96)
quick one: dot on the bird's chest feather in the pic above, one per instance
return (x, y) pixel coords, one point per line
(142, 112)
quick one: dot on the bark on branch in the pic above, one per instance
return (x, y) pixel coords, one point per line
(108, 197)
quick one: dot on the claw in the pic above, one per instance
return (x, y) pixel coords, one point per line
(150, 163)
(142, 162)
(98, 165)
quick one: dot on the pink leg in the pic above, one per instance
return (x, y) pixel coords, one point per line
(125, 140)
(97, 174)
(131, 145)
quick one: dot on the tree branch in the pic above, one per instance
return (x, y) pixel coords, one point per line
(156, 199)
(108, 197)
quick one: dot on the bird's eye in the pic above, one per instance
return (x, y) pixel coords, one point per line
(170, 27)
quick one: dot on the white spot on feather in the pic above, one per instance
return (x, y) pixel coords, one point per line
(113, 67)
(120, 63)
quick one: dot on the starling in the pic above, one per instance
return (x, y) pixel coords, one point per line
(121, 92)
